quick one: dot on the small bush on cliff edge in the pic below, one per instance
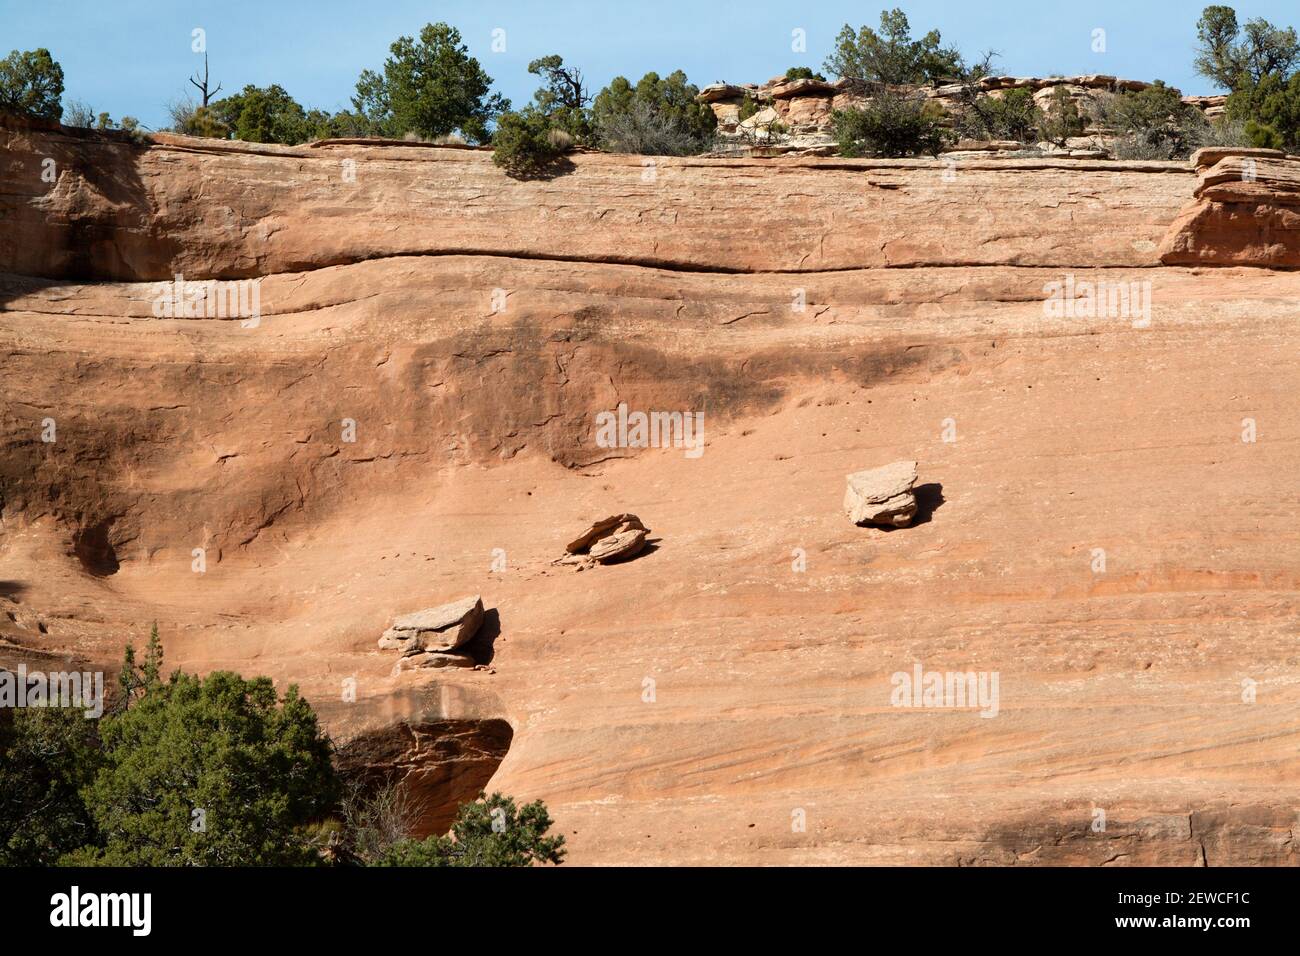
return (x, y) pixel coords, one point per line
(891, 125)
(1061, 120)
(526, 146)
(1011, 116)
(803, 73)
(1153, 123)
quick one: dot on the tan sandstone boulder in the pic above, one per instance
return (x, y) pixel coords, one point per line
(442, 628)
(610, 539)
(882, 496)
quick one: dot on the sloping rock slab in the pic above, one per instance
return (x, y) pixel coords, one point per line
(882, 496)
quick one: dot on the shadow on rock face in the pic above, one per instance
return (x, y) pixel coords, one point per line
(437, 764)
(560, 166)
(94, 550)
(929, 498)
(482, 647)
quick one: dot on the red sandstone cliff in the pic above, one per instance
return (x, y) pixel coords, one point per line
(826, 316)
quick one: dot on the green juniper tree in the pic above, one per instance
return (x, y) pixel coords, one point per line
(891, 56)
(31, 82)
(1236, 57)
(430, 86)
(212, 771)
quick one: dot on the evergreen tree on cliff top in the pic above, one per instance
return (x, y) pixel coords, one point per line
(891, 56)
(432, 87)
(1235, 57)
(31, 83)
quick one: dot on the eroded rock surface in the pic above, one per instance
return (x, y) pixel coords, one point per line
(825, 314)
(1246, 211)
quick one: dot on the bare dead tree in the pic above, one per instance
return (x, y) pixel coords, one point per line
(203, 87)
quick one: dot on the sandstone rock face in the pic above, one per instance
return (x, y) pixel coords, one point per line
(1246, 211)
(184, 207)
(442, 628)
(826, 315)
(439, 763)
(882, 495)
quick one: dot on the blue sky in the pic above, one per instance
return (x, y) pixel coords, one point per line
(133, 56)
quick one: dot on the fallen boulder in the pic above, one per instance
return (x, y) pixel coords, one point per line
(882, 496)
(441, 628)
(610, 539)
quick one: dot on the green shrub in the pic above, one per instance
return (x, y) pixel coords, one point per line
(803, 73)
(659, 116)
(1061, 120)
(31, 83)
(213, 771)
(488, 832)
(891, 56)
(524, 144)
(47, 755)
(263, 115)
(1271, 111)
(1263, 136)
(891, 125)
(749, 105)
(1013, 115)
(1153, 123)
(430, 86)
(189, 118)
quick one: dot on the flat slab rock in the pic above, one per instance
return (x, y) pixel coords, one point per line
(428, 659)
(442, 628)
(882, 496)
(610, 539)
